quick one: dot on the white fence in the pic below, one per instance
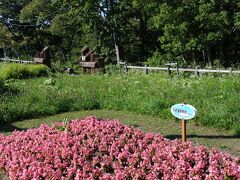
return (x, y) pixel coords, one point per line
(8, 60)
(169, 69)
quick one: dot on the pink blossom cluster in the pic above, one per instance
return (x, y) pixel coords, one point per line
(102, 149)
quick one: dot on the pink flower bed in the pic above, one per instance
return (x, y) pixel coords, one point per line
(100, 149)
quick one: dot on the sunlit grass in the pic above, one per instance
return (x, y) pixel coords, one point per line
(216, 99)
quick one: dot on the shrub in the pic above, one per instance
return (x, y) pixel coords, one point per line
(22, 71)
(2, 86)
(6, 90)
(38, 70)
(100, 149)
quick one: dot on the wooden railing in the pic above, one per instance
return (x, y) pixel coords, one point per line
(169, 69)
(8, 60)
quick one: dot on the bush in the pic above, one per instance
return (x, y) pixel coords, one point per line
(22, 71)
(2, 86)
(38, 70)
(6, 90)
(99, 149)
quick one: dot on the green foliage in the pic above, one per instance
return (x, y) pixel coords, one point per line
(113, 69)
(159, 59)
(198, 30)
(216, 99)
(21, 71)
(50, 82)
(2, 87)
(190, 32)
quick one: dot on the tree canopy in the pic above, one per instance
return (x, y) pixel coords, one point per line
(189, 32)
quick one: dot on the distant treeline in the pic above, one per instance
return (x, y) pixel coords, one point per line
(189, 32)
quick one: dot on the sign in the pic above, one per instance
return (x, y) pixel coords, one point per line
(83, 58)
(183, 111)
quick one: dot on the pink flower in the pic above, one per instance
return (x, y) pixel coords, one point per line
(104, 149)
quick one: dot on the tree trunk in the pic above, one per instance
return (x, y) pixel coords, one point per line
(209, 55)
(4, 51)
(63, 55)
(16, 53)
(223, 52)
(142, 33)
(204, 57)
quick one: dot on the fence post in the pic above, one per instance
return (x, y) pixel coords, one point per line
(177, 70)
(196, 71)
(169, 70)
(146, 70)
(230, 71)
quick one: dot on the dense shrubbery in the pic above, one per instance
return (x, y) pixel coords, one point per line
(22, 71)
(99, 149)
(216, 99)
(2, 86)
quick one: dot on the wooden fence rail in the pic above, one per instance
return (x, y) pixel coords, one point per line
(16, 60)
(169, 69)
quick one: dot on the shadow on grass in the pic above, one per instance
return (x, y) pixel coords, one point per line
(7, 128)
(175, 136)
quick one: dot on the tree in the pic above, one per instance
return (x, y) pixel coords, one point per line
(5, 39)
(190, 32)
(10, 11)
(196, 30)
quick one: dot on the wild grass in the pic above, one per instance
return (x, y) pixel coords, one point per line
(22, 71)
(216, 99)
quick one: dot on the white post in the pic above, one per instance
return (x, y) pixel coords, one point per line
(230, 71)
(196, 71)
(117, 53)
(146, 69)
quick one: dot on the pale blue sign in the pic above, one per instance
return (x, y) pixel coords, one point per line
(183, 111)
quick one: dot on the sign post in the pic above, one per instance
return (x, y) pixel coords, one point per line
(184, 112)
(184, 131)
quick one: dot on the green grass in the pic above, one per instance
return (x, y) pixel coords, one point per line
(170, 128)
(22, 71)
(216, 99)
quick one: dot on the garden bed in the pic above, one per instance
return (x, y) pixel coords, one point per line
(101, 149)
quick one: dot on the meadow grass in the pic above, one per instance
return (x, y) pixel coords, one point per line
(216, 99)
(22, 71)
